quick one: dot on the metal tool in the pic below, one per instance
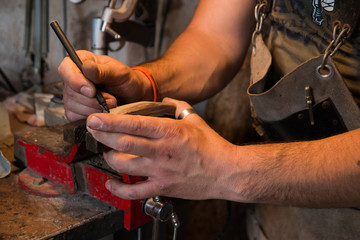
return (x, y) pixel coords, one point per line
(100, 27)
(161, 211)
(73, 55)
(121, 14)
(121, 25)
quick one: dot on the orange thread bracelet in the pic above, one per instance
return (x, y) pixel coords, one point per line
(152, 80)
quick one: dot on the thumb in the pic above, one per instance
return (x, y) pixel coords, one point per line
(104, 70)
(91, 71)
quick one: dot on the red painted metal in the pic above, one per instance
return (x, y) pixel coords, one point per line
(133, 214)
(57, 168)
(27, 180)
(50, 165)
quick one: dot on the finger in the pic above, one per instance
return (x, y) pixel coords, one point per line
(145, 126)
(72, 77)
(91, 103)
(91, 71)
(80, 104)
(126, 143)
(72, 116)
(140, 190)
(127, 163)
(181, 106)
(80, 109)
(70, 96)
(110, 100)
(104, 69)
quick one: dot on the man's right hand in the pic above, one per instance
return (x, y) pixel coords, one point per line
(117, 82)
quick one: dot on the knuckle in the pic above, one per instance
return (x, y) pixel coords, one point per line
(69, 115)
(65, 98)
(137, 124)
(164, 189)
(175, 131)
(109, 157)
(59, 69)
(113, 159)
(68, 92)
(61, 66)
(124, 144)
(69, 105)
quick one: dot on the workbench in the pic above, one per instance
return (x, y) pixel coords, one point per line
(26, 216)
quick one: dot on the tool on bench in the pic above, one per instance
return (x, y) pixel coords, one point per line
(64, 159)
(75, 58)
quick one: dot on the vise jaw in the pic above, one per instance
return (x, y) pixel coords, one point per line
(66, 159)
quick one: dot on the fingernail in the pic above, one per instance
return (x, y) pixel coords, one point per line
(108, 185)
(87, 91)
(94, 122)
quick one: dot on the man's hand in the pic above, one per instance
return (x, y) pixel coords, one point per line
(187, 159)
(180, 158)
(117, 80)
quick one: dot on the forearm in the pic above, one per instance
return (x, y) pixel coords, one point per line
(184, 74)
(323, 173)
(208, 54)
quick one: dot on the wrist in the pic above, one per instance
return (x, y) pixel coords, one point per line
(150, 84)
(146, 92)
(237, 175)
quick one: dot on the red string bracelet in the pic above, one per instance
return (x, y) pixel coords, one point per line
(152, 80)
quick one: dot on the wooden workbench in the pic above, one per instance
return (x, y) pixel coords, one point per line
(26, 216)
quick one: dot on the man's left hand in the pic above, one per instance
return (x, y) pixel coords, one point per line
(180, 158)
